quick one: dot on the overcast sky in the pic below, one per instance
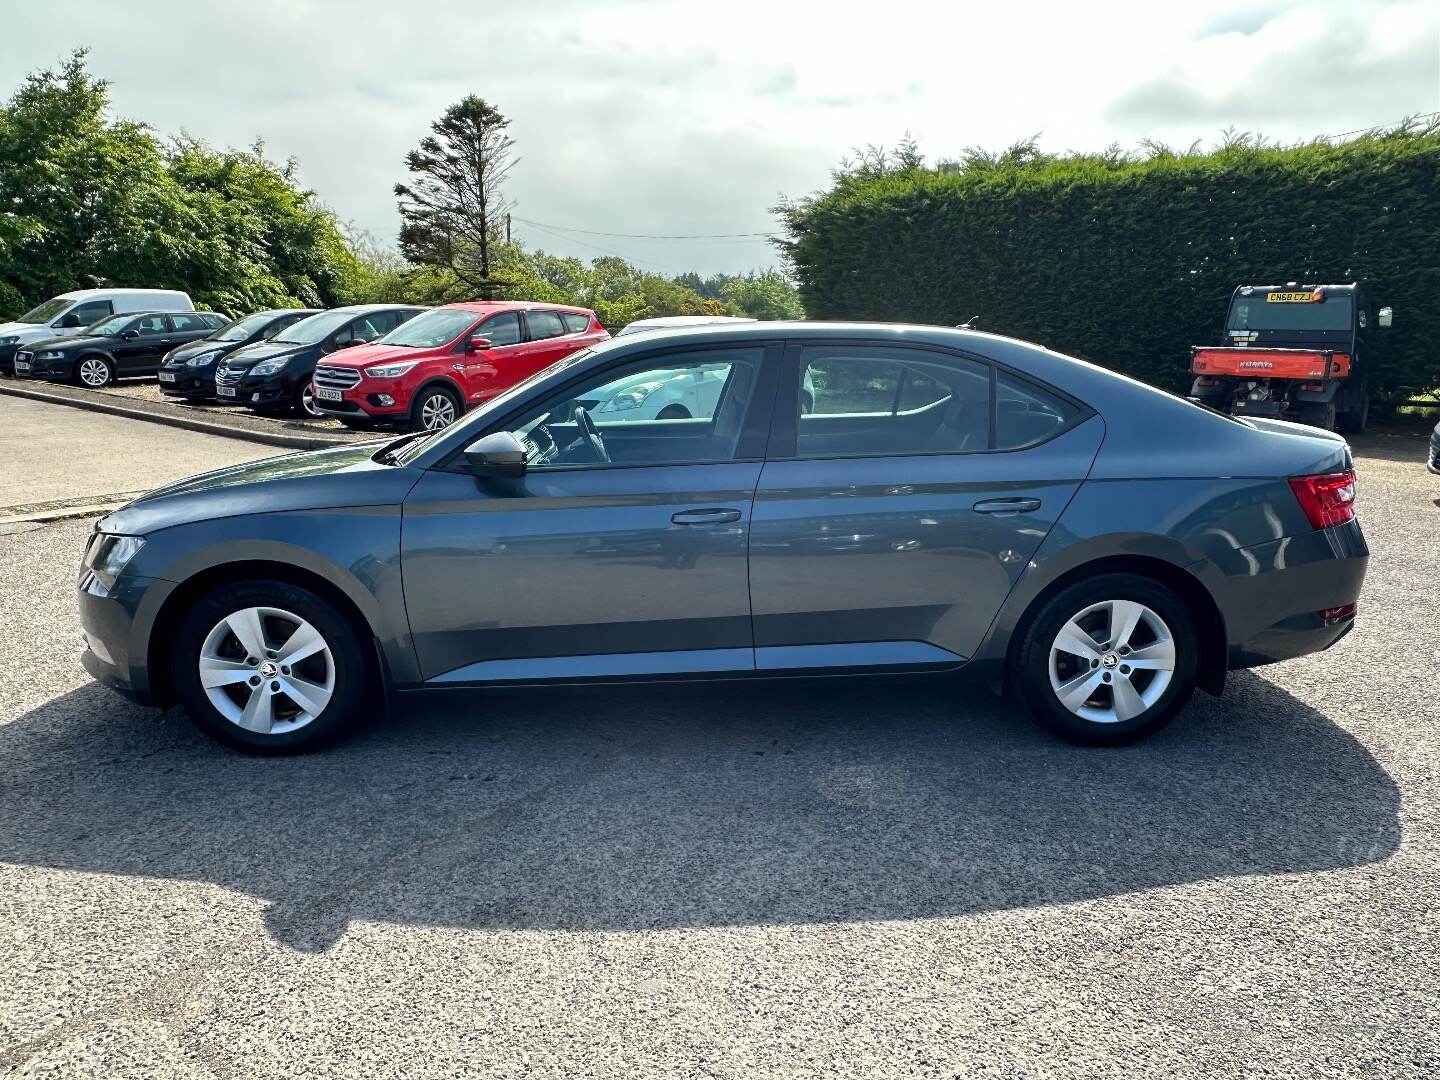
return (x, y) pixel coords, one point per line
(661, 117)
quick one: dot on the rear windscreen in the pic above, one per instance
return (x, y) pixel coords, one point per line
(1257, 313)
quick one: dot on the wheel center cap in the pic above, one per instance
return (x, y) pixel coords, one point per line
(1110, 659)
(268, 670)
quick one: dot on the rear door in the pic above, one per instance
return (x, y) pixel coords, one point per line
(550, 339)
(893, 517)
(189, 326)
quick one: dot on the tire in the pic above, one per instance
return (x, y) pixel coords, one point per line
(673, 412)
(1354, 421)
(435, 407)
(94, 371)
(335, 677)
(1043, 666)
(304, 403)
(1317, 415)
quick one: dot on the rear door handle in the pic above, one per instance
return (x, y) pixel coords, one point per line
(1007, 506)
(716, 516)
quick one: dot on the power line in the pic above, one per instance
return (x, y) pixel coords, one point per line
(592, 247)
(648, 236)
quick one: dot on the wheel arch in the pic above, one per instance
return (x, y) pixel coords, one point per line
(166, 623)
(1209, 622)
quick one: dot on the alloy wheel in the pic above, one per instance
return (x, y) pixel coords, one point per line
(267, 670)
(307, 401)
(437, 411)
(94, 373)
(1112, 661)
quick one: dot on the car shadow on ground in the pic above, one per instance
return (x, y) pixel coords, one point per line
(692, 806)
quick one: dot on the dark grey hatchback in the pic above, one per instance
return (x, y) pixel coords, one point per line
(947, 500)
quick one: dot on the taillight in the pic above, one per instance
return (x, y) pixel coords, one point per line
(1327, 498)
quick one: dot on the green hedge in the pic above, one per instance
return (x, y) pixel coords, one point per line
(1130, 262)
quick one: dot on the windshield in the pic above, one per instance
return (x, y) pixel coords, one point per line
(314, 329)
(108, 327)
(46, 311)
(1258, 313)
(431, 329)
(481, 414)
(241, 329)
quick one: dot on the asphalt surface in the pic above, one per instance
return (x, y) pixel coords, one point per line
(850, 879)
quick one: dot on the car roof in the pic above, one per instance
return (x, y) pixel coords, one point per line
(692, 320)
(481, 307)
(81, 294)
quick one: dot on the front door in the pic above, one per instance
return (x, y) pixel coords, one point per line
(140, 354)
(896, 512)
(621, 552)
(487, 372)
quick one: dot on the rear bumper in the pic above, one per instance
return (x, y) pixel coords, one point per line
(1271, 595)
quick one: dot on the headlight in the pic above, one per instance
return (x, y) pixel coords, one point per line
(203, 358)
(632, 398)
(108, 554)
(390, 371)
(10, 339)
(267, 367)
(53, 354)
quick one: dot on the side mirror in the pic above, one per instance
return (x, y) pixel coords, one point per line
(129, 335)
(69, 322)
(477, 344)
(498, 454)
(1385, 316)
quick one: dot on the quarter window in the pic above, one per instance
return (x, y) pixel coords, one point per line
(1026, 414)
(862, 400)
(545, 324)
(575, 323)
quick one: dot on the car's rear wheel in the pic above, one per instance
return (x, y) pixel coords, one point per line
(268, 667)
(94, 372)
(1109, 660)
(434, 408)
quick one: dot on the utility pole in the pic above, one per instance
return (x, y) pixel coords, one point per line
(507, 229)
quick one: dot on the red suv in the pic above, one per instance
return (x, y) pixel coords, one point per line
(424, 374)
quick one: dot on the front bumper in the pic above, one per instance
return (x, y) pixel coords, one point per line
(1433, 464)
(45, 370)
(189, 382)
(116, 626)
(261, 391)
(7, 359)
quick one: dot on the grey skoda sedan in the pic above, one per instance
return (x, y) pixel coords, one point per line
(948, 500)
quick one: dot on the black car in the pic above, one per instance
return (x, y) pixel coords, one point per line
(1434, 462)
(113, 348)
(188, 371)
(276, 374)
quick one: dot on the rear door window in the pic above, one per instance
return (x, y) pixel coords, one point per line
(185, 322)
(862, 400)
(545, 324)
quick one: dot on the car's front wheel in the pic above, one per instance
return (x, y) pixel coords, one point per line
(269, 667)
(434, 408)
(304, 403)
(1109, 660)
(94, 372)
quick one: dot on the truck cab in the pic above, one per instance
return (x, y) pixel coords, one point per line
(1293, 351)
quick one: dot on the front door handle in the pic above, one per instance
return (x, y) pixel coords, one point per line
(1007, 506)
(716, 516)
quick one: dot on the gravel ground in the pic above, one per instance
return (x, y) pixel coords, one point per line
(855, 879)
(149, 390)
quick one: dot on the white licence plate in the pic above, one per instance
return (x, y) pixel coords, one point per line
(167, 376)
(324, 393)
(225, 391)
(22, 367)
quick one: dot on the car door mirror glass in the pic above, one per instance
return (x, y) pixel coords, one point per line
(498, 454)
(1385, 316)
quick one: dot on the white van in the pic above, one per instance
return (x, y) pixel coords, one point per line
(71, 312)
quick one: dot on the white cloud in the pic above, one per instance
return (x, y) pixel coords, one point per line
(660, 117)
